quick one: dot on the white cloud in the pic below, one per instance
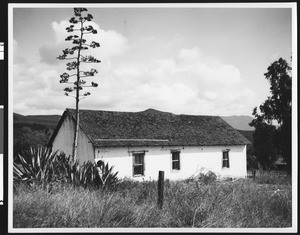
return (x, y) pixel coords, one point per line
(210, 95)
(37, 90)
(111, 42)
(18, 58)
(59, 30)
(189, 82)
(190, 55)
(36, 85)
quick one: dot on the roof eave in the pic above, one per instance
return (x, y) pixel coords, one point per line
(163, 145)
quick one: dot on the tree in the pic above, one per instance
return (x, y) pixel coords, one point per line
(278, 108)
(30, 136)
(77, 57)
(264, 142)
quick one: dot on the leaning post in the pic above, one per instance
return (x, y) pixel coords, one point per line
(160, 187)
(253, 173)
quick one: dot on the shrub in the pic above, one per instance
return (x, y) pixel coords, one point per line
(207, 178)
(271, 178)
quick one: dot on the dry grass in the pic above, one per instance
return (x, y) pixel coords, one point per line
(242, 203)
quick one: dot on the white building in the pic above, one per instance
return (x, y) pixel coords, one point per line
(139, 144)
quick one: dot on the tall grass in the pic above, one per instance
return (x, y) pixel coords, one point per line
(241, 203)
(273, 177)
(48, 192)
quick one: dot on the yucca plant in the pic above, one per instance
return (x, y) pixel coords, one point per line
(39, 166)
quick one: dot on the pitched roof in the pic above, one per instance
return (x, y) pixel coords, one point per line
(155, 128)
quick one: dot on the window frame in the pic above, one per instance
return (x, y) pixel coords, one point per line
(134, 155)
(225, 159)
(179, 161)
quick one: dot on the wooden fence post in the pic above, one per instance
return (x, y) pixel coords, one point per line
(160, 187)
(253, 173)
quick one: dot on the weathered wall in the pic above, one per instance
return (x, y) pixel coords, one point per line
(193, 160)
(64, 141)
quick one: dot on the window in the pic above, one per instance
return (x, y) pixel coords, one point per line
(138, 164)
(225, 159)
(175, 160)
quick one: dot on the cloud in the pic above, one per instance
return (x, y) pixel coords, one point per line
(17, 58)
(186, 81)
(111, 42)
(37, 90)
(36, 87)
(189, 83)
(189, 55)
(49, 54)
(210, 95)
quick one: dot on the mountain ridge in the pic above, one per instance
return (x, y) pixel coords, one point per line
(46, 120)
(239, 122)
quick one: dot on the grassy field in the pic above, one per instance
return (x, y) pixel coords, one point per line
(263, 202)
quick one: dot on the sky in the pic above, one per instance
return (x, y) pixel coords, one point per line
(184, 60)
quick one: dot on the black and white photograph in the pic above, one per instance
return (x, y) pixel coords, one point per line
(152, 117)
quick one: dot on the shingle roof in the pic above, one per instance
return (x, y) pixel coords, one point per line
(155, 128)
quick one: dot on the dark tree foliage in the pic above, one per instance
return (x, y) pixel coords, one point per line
(30, 136)
(277, 107)
(78, 28)
(264, 142)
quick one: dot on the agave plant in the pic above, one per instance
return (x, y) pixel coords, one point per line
(87, 174)
(39, 166)
(91, 174)
(43, 166)
(105, 176)
(65, 169)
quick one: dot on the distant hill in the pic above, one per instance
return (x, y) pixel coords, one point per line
(247, 134)
(239, 122)
(50, 121)
(38, 120)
